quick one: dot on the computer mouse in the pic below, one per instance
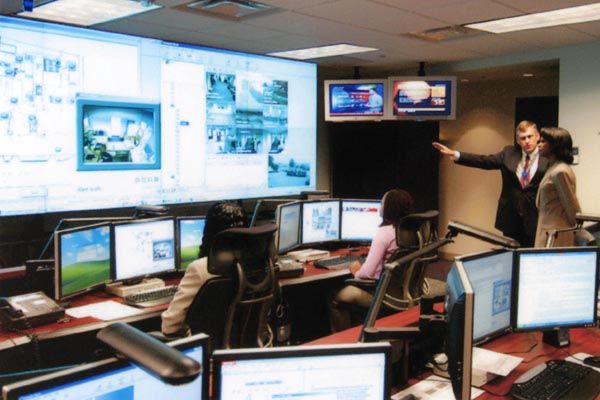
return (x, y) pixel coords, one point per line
(592, 361)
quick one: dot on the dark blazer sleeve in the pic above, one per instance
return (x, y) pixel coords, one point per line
(491, 161)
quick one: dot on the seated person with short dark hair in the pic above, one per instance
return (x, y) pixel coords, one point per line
(220, 216)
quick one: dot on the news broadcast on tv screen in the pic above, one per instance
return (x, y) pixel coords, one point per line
(422, 97)
(96, 120)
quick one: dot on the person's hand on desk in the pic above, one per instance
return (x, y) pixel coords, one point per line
(354, 267)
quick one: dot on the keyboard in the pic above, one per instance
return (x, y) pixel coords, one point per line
(340, 262)
(152, 297)
(557, 379)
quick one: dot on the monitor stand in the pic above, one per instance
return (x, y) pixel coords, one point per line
(121, 289)
(558, 338)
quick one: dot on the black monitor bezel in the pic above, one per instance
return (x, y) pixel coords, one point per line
(484, 254)
(16, 390)
(220, 356)
(280, 208)
(58, 291)
(360, 240)
(178, 237)
(516, 283)
(114, 246)
(302, 242)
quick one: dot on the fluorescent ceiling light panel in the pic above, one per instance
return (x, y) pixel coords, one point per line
(324, 51)
(88, 12)
(565, 16)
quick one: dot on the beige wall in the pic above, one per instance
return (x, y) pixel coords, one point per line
(484, 124)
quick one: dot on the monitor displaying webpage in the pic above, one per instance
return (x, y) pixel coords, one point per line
(144, 248)
(95, 120)
(359, 376)
(320, 221)
(360, 219)
(556, 288)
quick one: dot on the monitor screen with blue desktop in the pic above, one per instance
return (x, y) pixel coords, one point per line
(357, 371)
(143, 248)
(82, 259)
(288, 224)
(87, 113)
(320, 221)
(490, 274)
(190, 230)
(555, 288)
(360, 219)
(113, 379)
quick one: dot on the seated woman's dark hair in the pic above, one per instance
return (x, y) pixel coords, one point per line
(220, 216)
(396, 204)
(561, 144)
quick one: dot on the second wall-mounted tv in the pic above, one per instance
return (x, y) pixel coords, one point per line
(421, 97)
(355, 100)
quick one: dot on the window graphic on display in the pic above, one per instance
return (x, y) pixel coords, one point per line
(94, 120)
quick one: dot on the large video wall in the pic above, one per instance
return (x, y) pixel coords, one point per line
(93, 120)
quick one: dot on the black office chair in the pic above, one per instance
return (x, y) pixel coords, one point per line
(233, 307)
(408, 284)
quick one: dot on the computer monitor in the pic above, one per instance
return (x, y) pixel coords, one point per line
(82, 259)
(320, 221)
(355, 99)
(115, 379)
(190, 230)
(459, 332)
(288, 226)
(360, 219)
(490, 274)
(358, 371)
(555, 288)
(143, 248)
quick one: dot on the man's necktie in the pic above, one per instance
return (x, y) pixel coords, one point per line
(525, 174)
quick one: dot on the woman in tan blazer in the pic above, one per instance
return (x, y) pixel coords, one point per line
(556, 199)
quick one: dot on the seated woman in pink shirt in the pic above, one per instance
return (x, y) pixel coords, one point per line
(395, 205)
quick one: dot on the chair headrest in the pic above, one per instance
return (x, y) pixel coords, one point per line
(232, 245)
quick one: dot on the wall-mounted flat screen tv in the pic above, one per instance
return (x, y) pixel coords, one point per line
(96, 120)
(421, 97)
(355, 100)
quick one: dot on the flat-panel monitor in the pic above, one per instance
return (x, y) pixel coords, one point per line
(490, 274)
(355, 99)
(82, 259)
(143, 248)
(459, 331)
(555, 288)
(360, 219)
(357, 371)
(320, 221)
(96, 120)
(190, 230)
(288, 226)
(115, 379)
(421, 97)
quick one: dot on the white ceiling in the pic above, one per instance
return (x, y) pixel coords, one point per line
(382, 24)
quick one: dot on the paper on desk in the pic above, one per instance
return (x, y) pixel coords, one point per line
(105, 310)
(433, 388)
(496, 363)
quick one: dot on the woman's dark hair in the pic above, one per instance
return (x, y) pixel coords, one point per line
(397, 203)
(220, 216)
(561, 144)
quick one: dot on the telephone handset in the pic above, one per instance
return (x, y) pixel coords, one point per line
(27, 310)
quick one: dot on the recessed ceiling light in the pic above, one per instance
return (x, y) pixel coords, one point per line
(323, 51)
(88, 12)
(527, 75)
(565, 16)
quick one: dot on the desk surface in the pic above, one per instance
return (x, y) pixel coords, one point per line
(528, 345)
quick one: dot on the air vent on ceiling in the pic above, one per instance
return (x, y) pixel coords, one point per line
(445, 33)
(229, 9)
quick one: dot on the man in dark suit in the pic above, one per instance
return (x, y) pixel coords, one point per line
(522, 170)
